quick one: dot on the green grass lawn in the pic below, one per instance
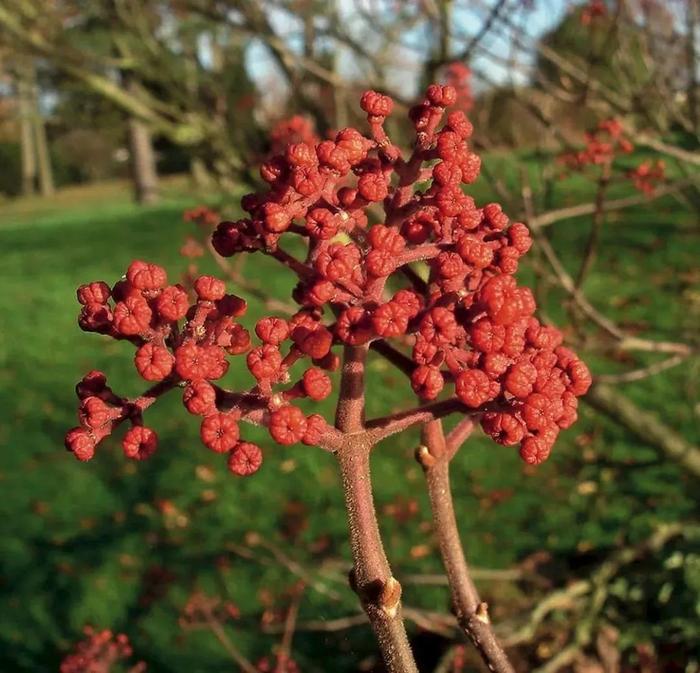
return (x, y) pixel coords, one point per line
(120, 545)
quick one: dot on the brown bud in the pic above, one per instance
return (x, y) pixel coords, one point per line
(424, 457)
(390, 597)
(482, 613)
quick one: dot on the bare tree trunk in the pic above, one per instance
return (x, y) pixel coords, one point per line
(142, 157)
(24, 94)
(692, 20)
(46, 182)
(201, 177)
(143, 162)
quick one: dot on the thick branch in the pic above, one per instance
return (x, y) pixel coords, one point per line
(350, 412)
(371, 578)
(471, 612)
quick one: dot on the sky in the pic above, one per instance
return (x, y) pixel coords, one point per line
(408, 51)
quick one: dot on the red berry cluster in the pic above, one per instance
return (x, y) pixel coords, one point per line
(205, 219)
(603, 144)
(469, 323)
(99, 653)
(279, 663)
(595, 9)
(296, 129)
(459, 76)
(647, 175)
(187, 344)
(367, 217)
(201, 215)
(607, 142)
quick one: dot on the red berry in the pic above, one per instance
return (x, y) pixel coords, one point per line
(353, 143)
(390, 320)
(372, 187)
(264, 362)
(354, 326)
(153, 362)
(316, 427)
(245, 459)
(287, 425)
(209, 288)
(199, 397)
(520, 379)
(503, 428)
(535, 450)
(191, 361)
(473, 387)
(94, 293)
(316, 384)
(94, 413)
(172, 303)
(427, 382)
(139, 442)
(537, 412)
(272, 330)
(79, 442)
(93, 383)
(376, 104)
(219, 432)
(146, 276)
(132, 316)
(315, 343)
(486, 336)
(580, 377)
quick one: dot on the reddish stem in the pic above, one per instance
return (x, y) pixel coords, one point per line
(371, 578)
(472, 614)
(350, 412)
(381, 428)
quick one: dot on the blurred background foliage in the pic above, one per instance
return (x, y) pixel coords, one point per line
(590, 562)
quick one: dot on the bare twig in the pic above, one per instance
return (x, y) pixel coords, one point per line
(645, 425)
(553, 216)
(642, 372)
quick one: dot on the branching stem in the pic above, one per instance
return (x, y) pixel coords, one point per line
(371, 578)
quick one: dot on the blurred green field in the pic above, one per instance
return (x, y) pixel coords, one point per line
(121, 545)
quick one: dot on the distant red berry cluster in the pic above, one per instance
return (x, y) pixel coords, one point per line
(295, 129)
(595, 9)
(648, 175)
(603, 144)
(367, 217)
(202, 215)
(459, 76)
(279, 663)
(99, 652)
